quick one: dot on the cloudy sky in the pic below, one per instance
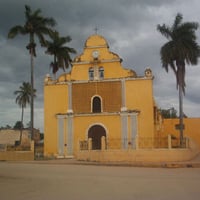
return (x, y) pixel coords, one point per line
(129, 26)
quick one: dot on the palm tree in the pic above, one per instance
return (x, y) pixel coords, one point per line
(23, 97)
(181, 49)
(60, 52)
(35, 25)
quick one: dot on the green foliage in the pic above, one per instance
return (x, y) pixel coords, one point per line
(181, 49)
(35, 25)
(169, 113)
(18, 125)
(6, 127)
(23, 95)
(41, 136)
(60, 52)
(38, 26)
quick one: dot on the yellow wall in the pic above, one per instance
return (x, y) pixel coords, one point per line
(110, 92)
(110, 61)
(139, 95)
(121, 90)
(112, 70)
(141, 156)
(55, 101)
(112, 125)
(192, 129)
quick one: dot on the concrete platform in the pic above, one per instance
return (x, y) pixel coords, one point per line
(195, 163)
(70, 179)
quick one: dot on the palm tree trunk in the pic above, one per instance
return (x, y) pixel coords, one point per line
(181, 115)
(55, 65)
(32, 54)
(22, 117)
(32, 95)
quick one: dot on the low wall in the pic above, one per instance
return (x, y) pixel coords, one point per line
(191, 130)
(17, 155)
(161, 155)
(140, 155)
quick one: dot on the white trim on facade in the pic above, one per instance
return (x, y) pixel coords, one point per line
(91, 103)
(94, 124)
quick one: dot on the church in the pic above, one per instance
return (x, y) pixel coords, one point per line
(98, 98)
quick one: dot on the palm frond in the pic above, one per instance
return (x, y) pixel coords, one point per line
(177, 21)
(27, 11)
(61, 53)
(165, 31)
(15, 31)
(23, 95)
(182, 47)
(35, 25)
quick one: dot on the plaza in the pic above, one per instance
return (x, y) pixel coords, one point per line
(57, 181)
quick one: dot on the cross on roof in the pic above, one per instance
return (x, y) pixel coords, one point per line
(95, 29)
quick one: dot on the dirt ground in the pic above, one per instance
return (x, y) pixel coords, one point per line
(30, 181)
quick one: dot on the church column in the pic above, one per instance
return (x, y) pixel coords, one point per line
(123, 95)
(70, 138)
(60, 135)
(70, 110)
(124, 130)
(134, 128)
(69, 125)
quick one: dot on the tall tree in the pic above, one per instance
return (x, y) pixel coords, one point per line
(35, 26)
(18, 125)
(60, 52)
(23, 97)
(181, 49)
(168, 113)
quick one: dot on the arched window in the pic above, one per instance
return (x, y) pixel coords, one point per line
(96, 104)
(101, 72)
(91, 73)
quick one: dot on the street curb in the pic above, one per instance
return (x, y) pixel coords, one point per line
(114, 164)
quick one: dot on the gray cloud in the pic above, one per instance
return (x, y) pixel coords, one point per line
(130, 29)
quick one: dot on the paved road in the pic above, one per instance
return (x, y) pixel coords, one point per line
(22, 181)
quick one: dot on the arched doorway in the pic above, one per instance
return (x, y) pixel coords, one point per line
(96, 132)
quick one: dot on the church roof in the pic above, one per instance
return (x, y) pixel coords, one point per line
(96, 41)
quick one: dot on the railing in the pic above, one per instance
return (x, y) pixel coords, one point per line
(9, 147)
(83, 145)
(109, 144)
(3, 147)
(121, 143)
(176, 143)
(146, 142)
(136, 143)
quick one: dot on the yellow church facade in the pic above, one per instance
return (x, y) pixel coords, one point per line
(97, 98)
